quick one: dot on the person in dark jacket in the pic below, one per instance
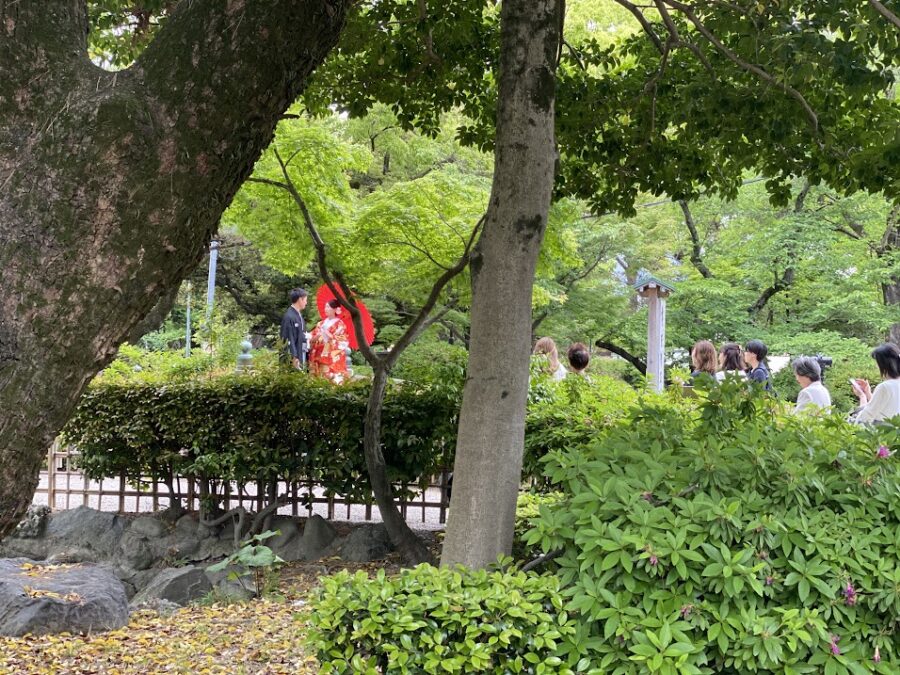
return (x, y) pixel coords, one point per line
(293, 328)
(757, 370)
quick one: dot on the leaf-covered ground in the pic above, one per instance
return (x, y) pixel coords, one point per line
(262, 636)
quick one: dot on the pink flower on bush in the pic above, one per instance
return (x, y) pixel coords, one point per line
(883, 452)
(877, 657)
(834, 647)
(654, 560)
(850, 594)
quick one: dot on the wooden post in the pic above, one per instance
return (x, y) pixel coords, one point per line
(656, 292)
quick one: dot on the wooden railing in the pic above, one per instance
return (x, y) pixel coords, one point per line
(63, 486)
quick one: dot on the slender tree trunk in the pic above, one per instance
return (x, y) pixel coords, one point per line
(490, 444)
(411, 548)
(890, 289)
(111, 184)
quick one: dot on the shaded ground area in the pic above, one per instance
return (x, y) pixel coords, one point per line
(262, 636)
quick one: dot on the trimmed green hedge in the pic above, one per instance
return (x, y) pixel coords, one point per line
(260, 427)
(431, 620)
(285, 426)
(729, 540)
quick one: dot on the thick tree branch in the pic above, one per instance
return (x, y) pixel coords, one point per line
(641, 366)
(781, 283)
(696, 248)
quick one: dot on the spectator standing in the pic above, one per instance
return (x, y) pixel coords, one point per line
(703, 359)
(757, 367)
(731, 361)
(884, 402)
(579, 357)
(813, 393)
(547, 347)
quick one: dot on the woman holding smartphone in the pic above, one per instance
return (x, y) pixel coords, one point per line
(884, 402)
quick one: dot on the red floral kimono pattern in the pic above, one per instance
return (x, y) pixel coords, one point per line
(328, 355)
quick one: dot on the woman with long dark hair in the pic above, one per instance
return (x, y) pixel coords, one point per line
(731, 361)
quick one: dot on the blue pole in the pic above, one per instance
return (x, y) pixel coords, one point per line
(211, 282)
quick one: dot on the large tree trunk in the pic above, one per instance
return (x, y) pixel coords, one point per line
(111, 184)
(489, 449)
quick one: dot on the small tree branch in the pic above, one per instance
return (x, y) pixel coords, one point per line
(885, 12)
(540, 560)
(688, 11)
(696, 248)
(419, 322)
(781, 283)
(646, 25)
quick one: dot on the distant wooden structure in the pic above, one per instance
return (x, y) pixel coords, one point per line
(656, 292)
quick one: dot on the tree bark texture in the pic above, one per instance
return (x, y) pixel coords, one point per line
(490, 444)
(112, 183)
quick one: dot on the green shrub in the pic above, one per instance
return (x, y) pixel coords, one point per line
(528, 507)
(729, 540)
(570, 413)
(262, 427)
(431, 620)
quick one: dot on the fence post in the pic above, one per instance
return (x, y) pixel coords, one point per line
(51, 475)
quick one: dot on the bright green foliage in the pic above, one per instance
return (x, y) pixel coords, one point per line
(430, 620)
(120, 29)
(253, 559)
(729, 540)
(262, 427)
(570, 413)
(528, 507)
(319, 162)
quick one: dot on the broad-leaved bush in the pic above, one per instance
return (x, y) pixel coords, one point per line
(729, 539)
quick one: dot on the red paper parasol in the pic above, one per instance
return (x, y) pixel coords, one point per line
(324, 294)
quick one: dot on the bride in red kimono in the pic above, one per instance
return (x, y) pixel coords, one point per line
(328, 353)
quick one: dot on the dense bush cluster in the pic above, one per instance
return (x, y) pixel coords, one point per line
(263, 427)
(430, 620)
(729, 540)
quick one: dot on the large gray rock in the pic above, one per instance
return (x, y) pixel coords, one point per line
(152, 528)
(366, 543)
(87, 528)
(180, 585)
(318, 533)
(136, 551)
(287, 529)
(45, 600)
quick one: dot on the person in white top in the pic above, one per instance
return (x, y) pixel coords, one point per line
(731, 361)
(547, 347)
(813, 394)
(884, 402)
